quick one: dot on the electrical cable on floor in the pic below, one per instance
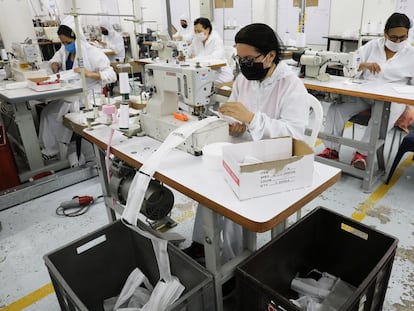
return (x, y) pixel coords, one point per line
(78, 206)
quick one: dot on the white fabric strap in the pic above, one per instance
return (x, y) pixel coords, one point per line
(169, 288)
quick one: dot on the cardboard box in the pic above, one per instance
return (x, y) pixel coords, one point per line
(286, 164)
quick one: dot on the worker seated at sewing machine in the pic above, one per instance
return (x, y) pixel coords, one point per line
(315, 64)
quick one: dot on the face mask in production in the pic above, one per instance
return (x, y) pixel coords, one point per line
(254, 72)
(395, 46)
(201, 36)
(71, 47)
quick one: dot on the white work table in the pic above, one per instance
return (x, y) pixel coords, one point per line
(187, 174)
(19, 111)
(383, 94)
(23, 118)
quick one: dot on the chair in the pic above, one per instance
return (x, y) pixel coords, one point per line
(406, 145)
(362, 118)
(316, 109)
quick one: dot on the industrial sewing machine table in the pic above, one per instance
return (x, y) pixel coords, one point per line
(187, 174)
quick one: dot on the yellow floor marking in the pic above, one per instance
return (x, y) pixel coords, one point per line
(381, 191)
(30, 299)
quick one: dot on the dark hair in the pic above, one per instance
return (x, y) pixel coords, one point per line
(263, 38)
(397, 20)
(205, 22)
(66, 31)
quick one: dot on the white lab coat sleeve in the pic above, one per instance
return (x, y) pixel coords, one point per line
(116, 44)
(58, 57)
(188, 36)
(293, 116)
(100, 63)
(217, 49)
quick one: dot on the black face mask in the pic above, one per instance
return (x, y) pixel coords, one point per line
(254, 72)
(184, 25)
(105, 32)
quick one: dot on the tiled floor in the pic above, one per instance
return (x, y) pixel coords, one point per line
(32, 229)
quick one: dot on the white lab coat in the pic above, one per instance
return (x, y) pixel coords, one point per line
(281, 107)
(212, 49)
(53, 135)
(398, 69)
(186, 33)
(114, 42)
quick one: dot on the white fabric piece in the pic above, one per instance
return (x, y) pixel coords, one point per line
(134, 280)
(213, 48)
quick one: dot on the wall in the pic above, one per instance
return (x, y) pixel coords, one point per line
(15, 22)
(344, 17)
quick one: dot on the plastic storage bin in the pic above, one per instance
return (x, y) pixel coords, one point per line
(82, 281)
(322, 240)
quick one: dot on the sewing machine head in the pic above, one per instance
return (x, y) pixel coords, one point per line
(174, 86)
(26, 61)
(164, 45)
(27, 55)
(316, 63)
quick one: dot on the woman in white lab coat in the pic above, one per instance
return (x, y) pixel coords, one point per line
(112, 40)
(53, 135)
(387, 59)
(207, 45)
(269, 100)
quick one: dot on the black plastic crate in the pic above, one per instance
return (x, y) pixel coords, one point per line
(83, 281)
(329, 242)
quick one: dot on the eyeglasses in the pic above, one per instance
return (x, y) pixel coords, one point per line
(248, 61)
(398, 38)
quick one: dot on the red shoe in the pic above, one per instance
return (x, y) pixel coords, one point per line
(329, 154)
(359, 161)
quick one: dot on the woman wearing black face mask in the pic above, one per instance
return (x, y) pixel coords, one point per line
(112, 41)
(269, 100)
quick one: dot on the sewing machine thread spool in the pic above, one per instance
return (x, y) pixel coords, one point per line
(124, 107)
(108, 111)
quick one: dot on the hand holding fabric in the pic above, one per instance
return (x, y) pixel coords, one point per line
(238, 111)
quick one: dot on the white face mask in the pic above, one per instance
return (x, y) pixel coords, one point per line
(201, 36)
(395, 46)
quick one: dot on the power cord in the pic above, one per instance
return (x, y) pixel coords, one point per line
(78, 206)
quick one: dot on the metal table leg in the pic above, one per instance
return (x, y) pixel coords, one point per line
(27, 130)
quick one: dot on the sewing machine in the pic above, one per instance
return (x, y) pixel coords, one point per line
(179, 94)
(164, 45)
(26, 61)
(316, 63)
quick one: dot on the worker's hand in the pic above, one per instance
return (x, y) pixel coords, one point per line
(238, 111)
(374, 68)
(55, 67)
(178, 38)
(88, 74)
(236, 129)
